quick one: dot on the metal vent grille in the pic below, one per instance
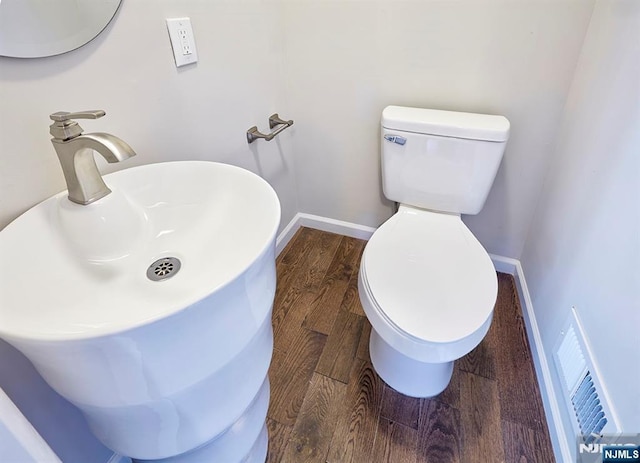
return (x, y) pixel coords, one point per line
(572, 364)
(588, 409)
(586, 398)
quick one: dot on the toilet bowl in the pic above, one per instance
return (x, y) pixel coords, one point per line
(427, 285)
(428, 288)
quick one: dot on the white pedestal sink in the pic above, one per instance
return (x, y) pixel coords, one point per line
(172, 369)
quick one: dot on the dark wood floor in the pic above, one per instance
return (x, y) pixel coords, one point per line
(328, 404)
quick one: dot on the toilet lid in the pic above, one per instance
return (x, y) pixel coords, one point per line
(430, 276)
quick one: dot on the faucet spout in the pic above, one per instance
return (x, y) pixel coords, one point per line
(84, 182)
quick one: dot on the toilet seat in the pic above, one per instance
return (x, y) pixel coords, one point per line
(429, 278)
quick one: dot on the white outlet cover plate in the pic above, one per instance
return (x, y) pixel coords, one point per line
(182, 41)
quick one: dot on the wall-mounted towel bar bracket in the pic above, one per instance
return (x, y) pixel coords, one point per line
(274, 121)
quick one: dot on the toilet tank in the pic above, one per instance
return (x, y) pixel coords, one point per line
(441, 160)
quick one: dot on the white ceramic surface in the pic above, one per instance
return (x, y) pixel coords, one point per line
(439, 173)
(426, 284)
(427, 269)
(405, 374)
(158, 368)
(471, 126)
(412, 366)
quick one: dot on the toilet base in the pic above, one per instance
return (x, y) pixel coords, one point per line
(406, 375)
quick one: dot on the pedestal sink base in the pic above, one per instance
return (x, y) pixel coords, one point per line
(168, 371)
(244, 442)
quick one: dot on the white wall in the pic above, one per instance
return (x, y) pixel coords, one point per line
(583, 249)
(347, 60)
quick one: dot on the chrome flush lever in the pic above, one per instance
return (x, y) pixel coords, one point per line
(397, 139)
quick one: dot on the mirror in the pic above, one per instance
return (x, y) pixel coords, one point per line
(38, 28)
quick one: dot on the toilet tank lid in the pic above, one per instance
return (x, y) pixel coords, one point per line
(470, 126)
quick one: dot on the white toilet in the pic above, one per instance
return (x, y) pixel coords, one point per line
(427, 285)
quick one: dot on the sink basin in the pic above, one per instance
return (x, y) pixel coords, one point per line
(158, 366)
(86, 266)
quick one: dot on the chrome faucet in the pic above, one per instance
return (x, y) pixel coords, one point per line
(75, 151)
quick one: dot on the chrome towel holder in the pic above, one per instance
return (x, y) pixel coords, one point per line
(274, 121)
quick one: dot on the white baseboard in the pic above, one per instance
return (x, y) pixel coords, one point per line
(504, 264)
(540, 363)
(501, 264)
(321, 223)
(287, 233)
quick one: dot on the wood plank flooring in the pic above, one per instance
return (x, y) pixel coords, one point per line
(329, 406)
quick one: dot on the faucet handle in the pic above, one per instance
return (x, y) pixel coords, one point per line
(62, 116)
(64, 127)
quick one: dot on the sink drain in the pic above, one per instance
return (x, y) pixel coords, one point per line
(163, 268)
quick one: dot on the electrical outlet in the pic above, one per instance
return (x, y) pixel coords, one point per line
(182, 41)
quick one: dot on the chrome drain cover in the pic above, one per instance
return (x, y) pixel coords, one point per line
(163, 268)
